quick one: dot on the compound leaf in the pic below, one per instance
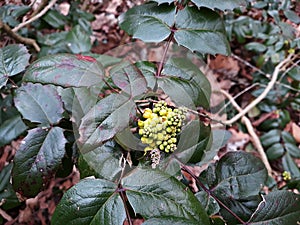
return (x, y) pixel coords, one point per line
(65, 70)
(236, 180)
(13, 60)
(37, 159)
(148, 22)
(39, 104)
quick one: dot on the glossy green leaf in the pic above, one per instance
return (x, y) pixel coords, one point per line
(290, 166)
(200, 89)
(9, 13)
(279, 208)
(65, 70)
(292, 16)
(129, 79)
(91, 201)
(13, 60)
(78, 102)
(108, 117)
(104, 161)
(78, 40)
(236, 180)
(55, 19)
(39, 104)
(148, 22)
(217, 140)
(8, 196)
(220, 4)
(170, 220)
(198, 30)
(256, 47)
(164, 1)
(194, 140)
(152, 193)
(11, 129)
(5, 177)
(37, 160)
(209, 203)
(201, 30)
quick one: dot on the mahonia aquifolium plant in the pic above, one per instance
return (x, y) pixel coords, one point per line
(160, 129)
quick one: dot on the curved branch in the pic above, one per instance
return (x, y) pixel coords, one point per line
(41, 13)
(251, 131)
(18, 37)
(262, 95)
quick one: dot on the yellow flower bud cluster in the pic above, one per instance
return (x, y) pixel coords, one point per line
(286, 175)
(161, 126)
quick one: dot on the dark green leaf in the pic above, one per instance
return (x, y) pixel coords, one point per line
(292, 16)
(217, 140)
(104, 161)
(8, 197)
(108, 117)
(65, 70)
(11, 129)
(256, 47)
(13, 60)
(279, 208)
(5, 177)
(130, 80)
(270, 138)
(39, 104)
(275, 151)
(37, 160)
(209, 203)
(220, 4)
(201, 30)
(200, 89)
(290, 165)
(90, 202)
(236, 180)
(106, 60)
(55, 19)
(10, 13)
(78, 102)
(170, 220)
(78, 40)
(148, 22)
(164, 1)
(152, 193)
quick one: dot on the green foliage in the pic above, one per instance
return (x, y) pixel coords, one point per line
(198, 30)
(90, 106)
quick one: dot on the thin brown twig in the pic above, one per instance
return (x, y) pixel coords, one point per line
(19, 38)
(252, 133)
(40, 14)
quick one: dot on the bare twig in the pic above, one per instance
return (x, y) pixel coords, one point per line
(41, 13)
(39, 8)
(251, 131)
(18, 37)
(262, 95)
